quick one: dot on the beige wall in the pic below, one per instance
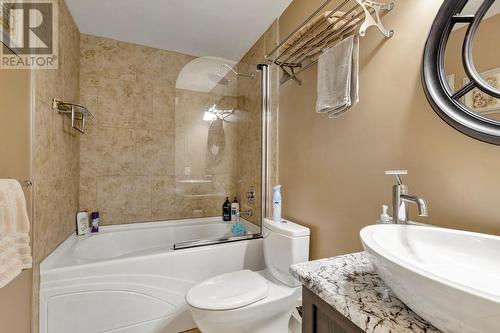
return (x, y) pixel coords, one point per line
(15, 304)
(56, 151)
(15, 162)
(333, 170)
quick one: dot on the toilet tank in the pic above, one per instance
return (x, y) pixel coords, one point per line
(285, 244)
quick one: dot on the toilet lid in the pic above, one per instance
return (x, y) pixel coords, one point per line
(228, 291)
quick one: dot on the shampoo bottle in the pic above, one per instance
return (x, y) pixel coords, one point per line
(95, 222)
(82, 223)
(226, 210)
(277, 203)
(235, 210)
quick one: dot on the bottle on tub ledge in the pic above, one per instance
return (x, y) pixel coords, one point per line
(235, 210)
(82, 223)
(277, 203)
(95, 222)
(226, 210)
(237, 227)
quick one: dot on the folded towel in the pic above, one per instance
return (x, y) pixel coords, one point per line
(321, 22)
(338, 71)
(15, 251)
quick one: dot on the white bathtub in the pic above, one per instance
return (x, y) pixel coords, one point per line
(128, 278)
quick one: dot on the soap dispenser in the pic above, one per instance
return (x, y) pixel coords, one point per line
(384, 217)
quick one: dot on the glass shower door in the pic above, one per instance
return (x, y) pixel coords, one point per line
(220, 124)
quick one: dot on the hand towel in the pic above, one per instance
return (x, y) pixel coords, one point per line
(338, 71)
(15, 251)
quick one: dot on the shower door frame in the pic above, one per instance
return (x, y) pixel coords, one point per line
(265, 105)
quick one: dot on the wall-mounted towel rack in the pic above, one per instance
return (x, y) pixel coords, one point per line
(324, 29)
(79, 114)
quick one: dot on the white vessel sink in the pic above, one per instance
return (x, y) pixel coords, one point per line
(451, 278)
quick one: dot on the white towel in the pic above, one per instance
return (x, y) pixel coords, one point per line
(338, 71)
(15, 251)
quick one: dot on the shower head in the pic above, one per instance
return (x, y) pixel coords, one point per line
(219, 78)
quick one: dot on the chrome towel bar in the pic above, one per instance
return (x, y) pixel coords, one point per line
(77, 112)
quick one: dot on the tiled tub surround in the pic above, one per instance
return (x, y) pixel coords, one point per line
(56, 145)
(56, 151)
(149, 137)
(350, 285)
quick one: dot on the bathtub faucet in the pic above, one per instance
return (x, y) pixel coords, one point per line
(248, 213)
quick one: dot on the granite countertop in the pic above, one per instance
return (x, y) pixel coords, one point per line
(350, 284)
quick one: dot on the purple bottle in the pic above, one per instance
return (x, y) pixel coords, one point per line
(95, 222)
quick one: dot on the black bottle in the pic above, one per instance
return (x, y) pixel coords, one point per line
(226, 210)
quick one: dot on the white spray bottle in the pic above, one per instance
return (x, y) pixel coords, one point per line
(277, 203)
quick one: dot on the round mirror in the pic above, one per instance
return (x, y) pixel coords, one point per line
(486, 55)
(461, 68)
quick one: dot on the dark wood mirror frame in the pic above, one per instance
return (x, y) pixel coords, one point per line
(439, 94)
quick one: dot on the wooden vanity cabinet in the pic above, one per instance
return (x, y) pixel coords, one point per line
(320, 317)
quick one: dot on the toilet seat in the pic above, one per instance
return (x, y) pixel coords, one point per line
(229, 291)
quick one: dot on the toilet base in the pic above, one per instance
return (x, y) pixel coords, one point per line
(277, 323)
(269, 315)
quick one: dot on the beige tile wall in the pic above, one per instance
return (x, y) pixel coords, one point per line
(56, 144)
(56, 151)
(145, 154)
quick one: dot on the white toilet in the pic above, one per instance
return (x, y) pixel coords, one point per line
(254, 302)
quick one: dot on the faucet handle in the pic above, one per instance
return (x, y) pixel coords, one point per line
(397, 174)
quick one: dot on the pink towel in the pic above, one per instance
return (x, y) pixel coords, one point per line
(15, 251)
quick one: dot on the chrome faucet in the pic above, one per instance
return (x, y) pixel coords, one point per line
(248, 213)
(400, 198)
